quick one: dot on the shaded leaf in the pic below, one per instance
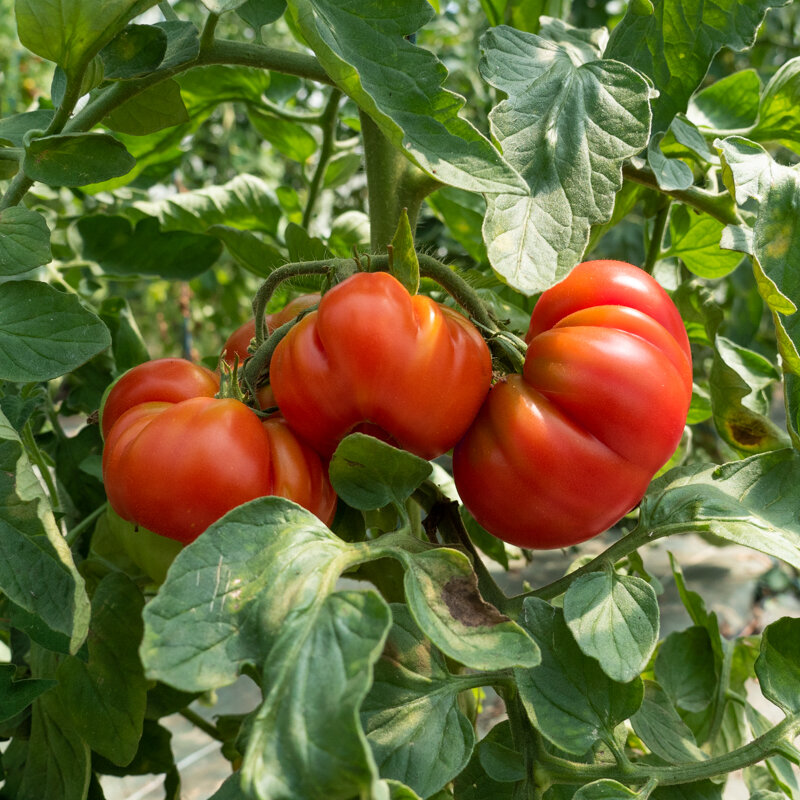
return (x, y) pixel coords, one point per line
(615, 619)
(45, 333)
(134, 51)
(24, 240)
(567, 698)
(778, 664)
(157, 107)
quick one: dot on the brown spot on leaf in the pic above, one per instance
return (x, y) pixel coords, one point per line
(466, 605)
(747, 432)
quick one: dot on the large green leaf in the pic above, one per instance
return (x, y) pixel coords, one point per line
(106, 696)
(411, 716)
(362, 46)
(684, 668)
(675, 44)
(45, 333)
(778, 113)
(567, 698)
(778, 664)
(24, 240)
(727, 104)
(568, 122)
(76, 159)
(71, 32)
(658, 724)
(306, 740)
(245, 202)
(135, 51)
(614, 618)
(750, 502)
(228, 594)
(37, 571)
(17, 695)
(124, 250)
(158, 107)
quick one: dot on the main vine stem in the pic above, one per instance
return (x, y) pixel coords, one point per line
(393, 183)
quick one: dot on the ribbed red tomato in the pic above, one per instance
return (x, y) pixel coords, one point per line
(560, 453)
(176, 467)
(374, 358)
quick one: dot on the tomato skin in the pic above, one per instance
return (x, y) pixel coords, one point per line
(560, 453)
(377, 359)
(163, 379)
(176, 458)
(175, 468)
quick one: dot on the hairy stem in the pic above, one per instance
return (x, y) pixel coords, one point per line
(563, 771)
(719, 206)
(657, 237)
(328, 120)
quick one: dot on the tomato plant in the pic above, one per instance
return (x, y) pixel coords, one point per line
(375, 359)
(554, 251)
(574, 442)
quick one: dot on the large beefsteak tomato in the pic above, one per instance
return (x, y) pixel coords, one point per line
(375, 359)
(560, 453)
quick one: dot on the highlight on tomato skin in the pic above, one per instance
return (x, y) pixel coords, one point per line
(375, 358)
(174, 468)
(560, 453)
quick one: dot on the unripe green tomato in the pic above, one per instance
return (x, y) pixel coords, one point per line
(150, 552)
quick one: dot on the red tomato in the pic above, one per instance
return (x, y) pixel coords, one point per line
(176, 467)
(164, 379)
(376, 359)
(562, 452)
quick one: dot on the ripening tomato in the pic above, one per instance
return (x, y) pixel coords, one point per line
(560, 453)
(168, 380)
(176, 466)
(238, 342)
(375, 359)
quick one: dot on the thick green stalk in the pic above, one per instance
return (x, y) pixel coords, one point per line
(393, 184)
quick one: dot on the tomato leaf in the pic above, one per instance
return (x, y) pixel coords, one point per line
(750, 502)
(315, 679)
(369, 474)
(695, 239)
(658, 724)
(45, 333)
(615, 619)
(443, 597)
(675, 44)
(149, 111)
(562, 102)
(17, 695)
(228, 593)
(24, 240)
(124, 250)
(71, 32)
(246, 202)
(607, 789)
(684, 668)
(739, 400)
(417, 732)
(258, 13)
(727, 104)
(106, 697)
(76, 159)
(567, 698)
(134, 51)
(402, 90)
(778, 664)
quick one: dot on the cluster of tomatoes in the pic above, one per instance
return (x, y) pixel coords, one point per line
(544, 459)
